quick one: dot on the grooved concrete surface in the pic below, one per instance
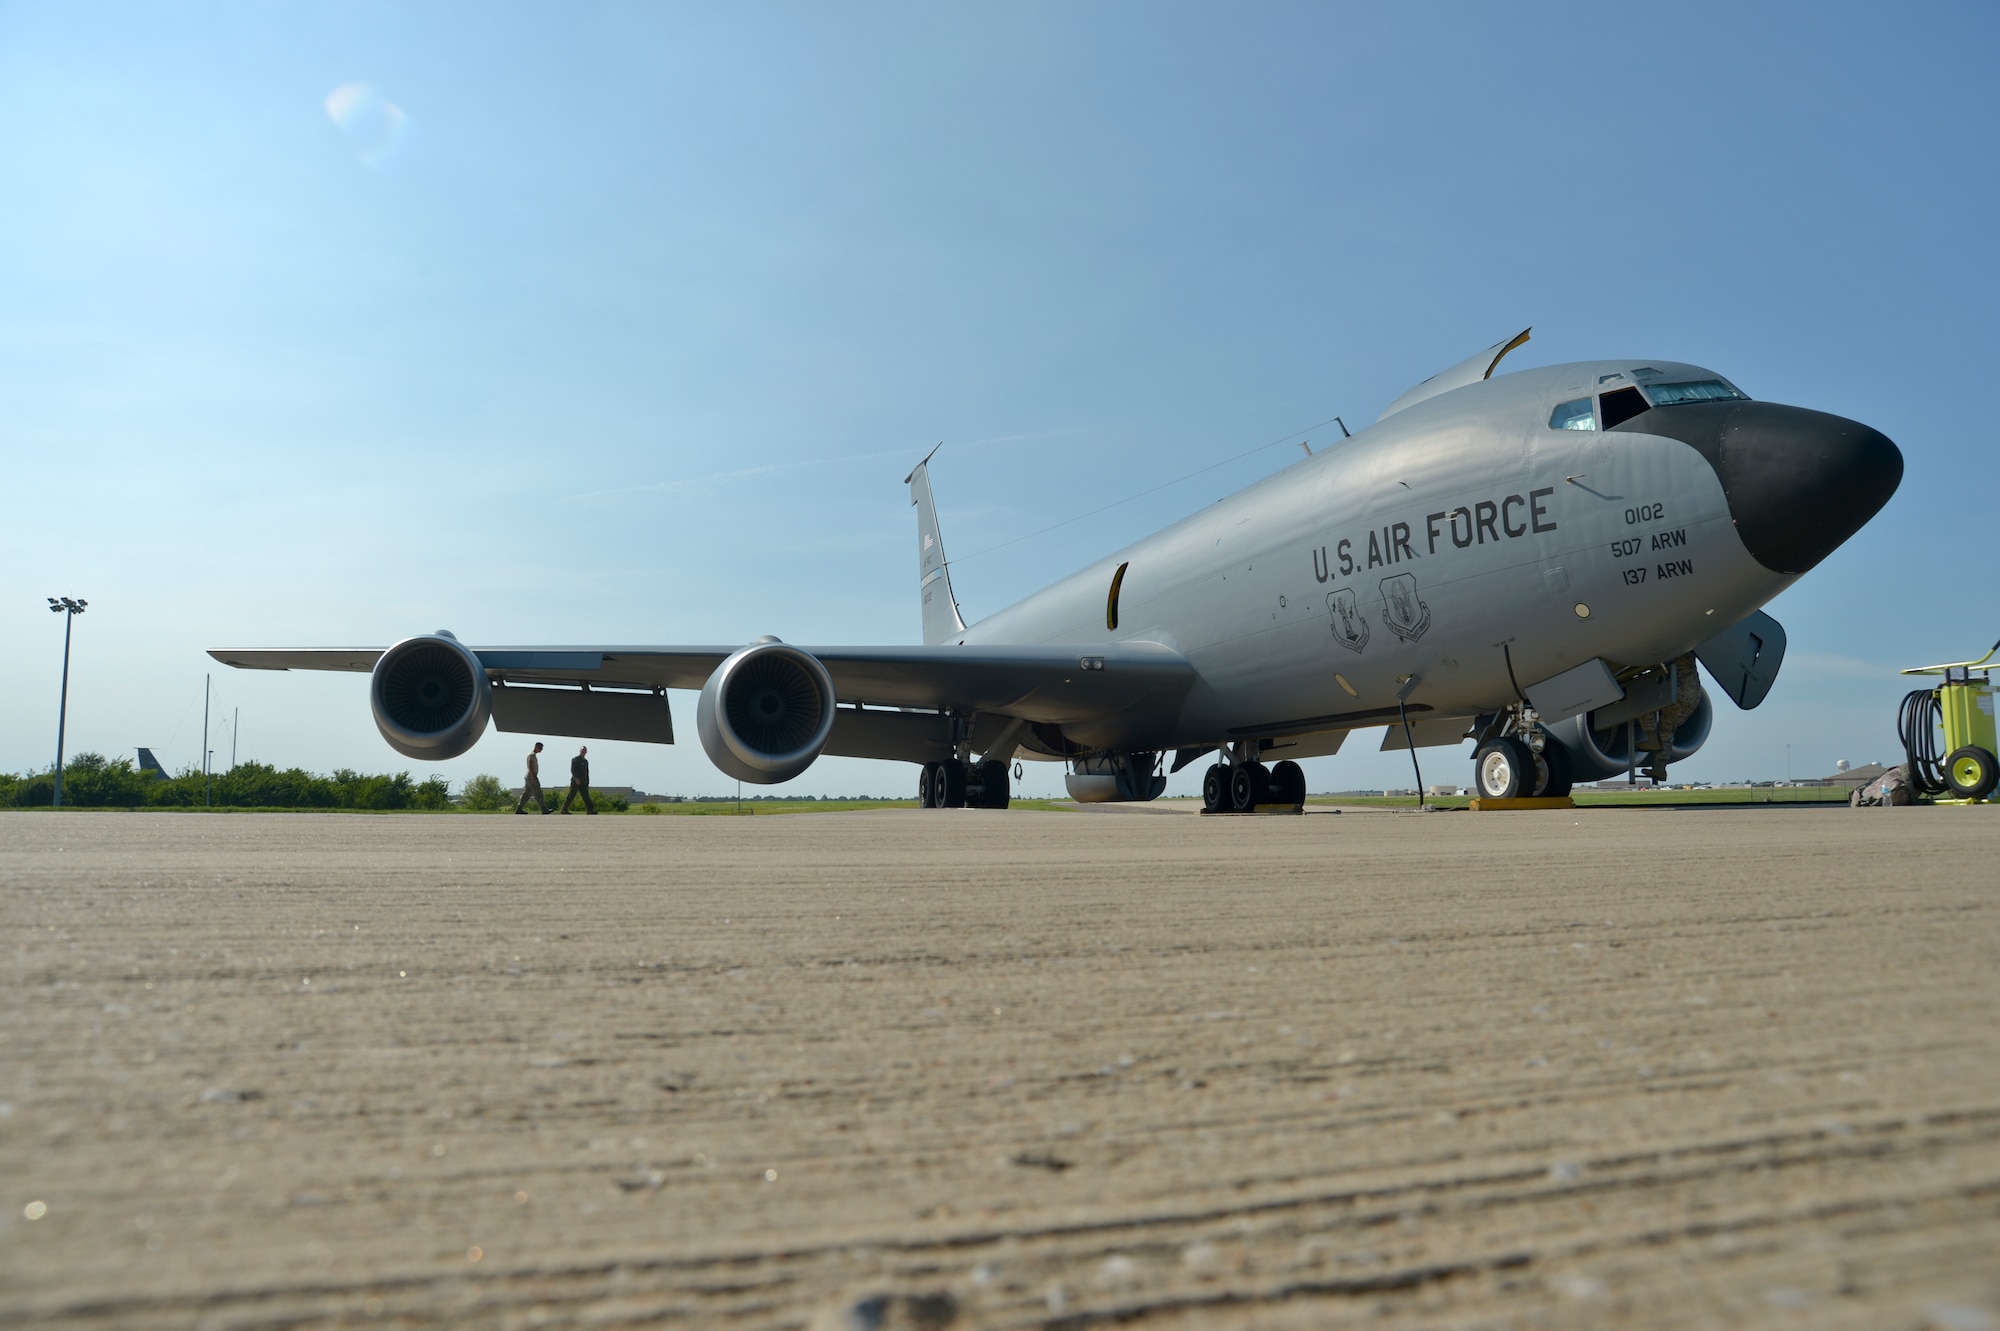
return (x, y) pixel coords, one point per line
(1709, 1068)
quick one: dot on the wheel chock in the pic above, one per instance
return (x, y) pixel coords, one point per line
(1261, 811)
(1480, 803)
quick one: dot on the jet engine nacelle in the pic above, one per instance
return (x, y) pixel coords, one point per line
(766, 712)
(430, 697)
(1598, 755)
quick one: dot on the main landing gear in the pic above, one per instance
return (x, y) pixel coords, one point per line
(1244, 787)
(952, 784)
(1521, 764)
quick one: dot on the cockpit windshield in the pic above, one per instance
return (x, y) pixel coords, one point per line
(1700, 390)
(1575, 415)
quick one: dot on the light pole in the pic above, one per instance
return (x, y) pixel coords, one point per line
(69, 608)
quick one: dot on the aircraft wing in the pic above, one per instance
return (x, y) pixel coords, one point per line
(1039, 682)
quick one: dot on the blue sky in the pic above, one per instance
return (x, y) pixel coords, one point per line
(632, 331)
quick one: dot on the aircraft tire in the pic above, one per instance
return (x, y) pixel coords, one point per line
(1971, 772)
(1249, 786)
(925, 799)
(993, 793)
(1502, 769)
(1215, 789)
(948, 784)
(1552, 770)
(1288, 784)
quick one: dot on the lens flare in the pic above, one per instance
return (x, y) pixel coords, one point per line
(379, 129)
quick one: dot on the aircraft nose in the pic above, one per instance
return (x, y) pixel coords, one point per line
(1799, 482)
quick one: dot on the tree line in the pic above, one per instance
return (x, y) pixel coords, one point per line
(92, 781)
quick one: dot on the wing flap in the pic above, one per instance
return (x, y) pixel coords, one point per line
(359, 660)
(613, 667)
(583, 714)
(1049, 683)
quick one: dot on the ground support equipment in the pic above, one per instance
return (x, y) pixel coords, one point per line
(1962, 706)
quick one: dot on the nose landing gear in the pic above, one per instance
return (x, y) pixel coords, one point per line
(1517, 761)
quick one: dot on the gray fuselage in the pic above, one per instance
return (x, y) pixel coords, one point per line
(1462, 540)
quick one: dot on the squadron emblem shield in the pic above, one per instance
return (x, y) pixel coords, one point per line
(1350, 630)
(1406, 614)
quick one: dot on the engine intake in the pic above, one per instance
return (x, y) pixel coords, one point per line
(766, 712)
(430, 697)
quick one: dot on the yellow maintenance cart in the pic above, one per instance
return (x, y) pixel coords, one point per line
(1963, 707)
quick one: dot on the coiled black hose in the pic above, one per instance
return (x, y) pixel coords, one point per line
(1917, 725)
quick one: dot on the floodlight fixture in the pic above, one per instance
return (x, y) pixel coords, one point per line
(69, 608)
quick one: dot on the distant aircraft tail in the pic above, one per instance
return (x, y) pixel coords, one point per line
(941, 618)
(148, 763)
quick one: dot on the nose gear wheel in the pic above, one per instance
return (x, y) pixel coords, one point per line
(1503, 769)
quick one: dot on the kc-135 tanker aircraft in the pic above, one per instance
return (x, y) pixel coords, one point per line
(1533, 562)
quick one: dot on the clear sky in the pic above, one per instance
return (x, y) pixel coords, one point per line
(328, 324)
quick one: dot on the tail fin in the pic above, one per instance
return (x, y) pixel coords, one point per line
(941, 619)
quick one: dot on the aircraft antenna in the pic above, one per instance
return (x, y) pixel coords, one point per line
(1403, 696)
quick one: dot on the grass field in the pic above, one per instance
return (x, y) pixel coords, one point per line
(709, 809)
(749, 807)
(685, 809)
(1598, 798)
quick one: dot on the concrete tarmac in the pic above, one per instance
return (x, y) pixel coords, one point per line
(1732, 1067)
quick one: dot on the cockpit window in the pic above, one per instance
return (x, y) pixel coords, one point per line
(1575, 415)
(1701, 390)
(1621, 406)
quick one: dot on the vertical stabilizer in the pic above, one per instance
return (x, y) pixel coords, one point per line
(941, 620)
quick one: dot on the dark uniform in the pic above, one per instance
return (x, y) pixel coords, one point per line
(579, 782)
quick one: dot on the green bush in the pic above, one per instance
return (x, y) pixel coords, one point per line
(485, 793)
(90, 781)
